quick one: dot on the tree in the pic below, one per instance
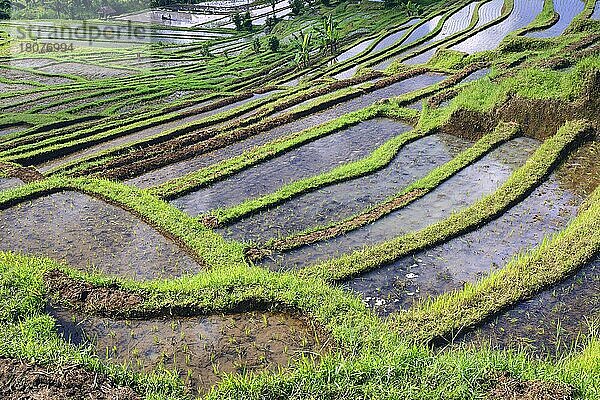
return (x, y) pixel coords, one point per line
(302, 44)
(5, 8)
(297, 6)
(273, 5)
(389, 3)
(329, 35)
(256, 45)
(270, 23)
(237, 20)
(273, 43)
(205, 49)
(410, 9)
(247, 21)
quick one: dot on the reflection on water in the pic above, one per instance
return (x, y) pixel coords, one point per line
(552, 322)
(420, 32)
(199, 349)
(339, 201)
(567, 9)
(523, 14)
(454, 24)
(468, 257)
(91, 235)
(596, 13)
(312, 120)
(463, 189)
(489, 12)
(311, 159)
(355, 50)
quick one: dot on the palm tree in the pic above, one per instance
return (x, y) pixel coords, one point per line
(411, 9)
(302, 44)
(329, 35)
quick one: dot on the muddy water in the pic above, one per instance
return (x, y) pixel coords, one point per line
(551, 323)
(199, 349)
(523, 14)
(19, 75)
(148, 132)
(9, 183)
(417, 34)
(182, 168)
(28, 62)
(460, 191)
(469, 257)
(581, 172)
(93, 236)
(336, 202)
(12, 129)
(308, 160)
(567, 9)
(87, 71)
(454, 24)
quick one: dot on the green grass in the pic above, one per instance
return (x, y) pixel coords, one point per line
(205, 176)
(420, 188)
(372, 358)
(555, 259)
(519, 185)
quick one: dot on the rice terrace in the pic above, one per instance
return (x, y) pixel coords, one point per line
(300, 199)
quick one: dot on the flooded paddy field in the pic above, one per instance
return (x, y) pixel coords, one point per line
(219, 208)
(345, 199)
(312, 120)
(481, 178)
(549, 324)
(567, 11)
(92, 236)
(469, 257)
(315, 157)
(199, 349)
(524, 12)
(188, 115)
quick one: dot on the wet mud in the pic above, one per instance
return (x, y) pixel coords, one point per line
(199, 349)
(481, 178)
(93, 236)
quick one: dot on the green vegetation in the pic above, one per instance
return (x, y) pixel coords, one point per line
(519, 185)
(555, 259)
(413, 192)
(162, 103)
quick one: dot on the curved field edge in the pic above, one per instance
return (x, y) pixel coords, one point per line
(408, 195)
(518, 186)
(204, 245)
(554, 260)
(392, 109)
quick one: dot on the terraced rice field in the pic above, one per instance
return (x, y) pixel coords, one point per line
(403, 205)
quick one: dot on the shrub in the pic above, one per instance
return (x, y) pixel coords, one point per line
(273, 42)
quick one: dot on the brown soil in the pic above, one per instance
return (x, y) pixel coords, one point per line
(508, 388)
(84, 296)
(22, 381)
(26, 174)
(436, 100)
(200, 349)
(581, 171)
(538, 119)
(155, 156)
